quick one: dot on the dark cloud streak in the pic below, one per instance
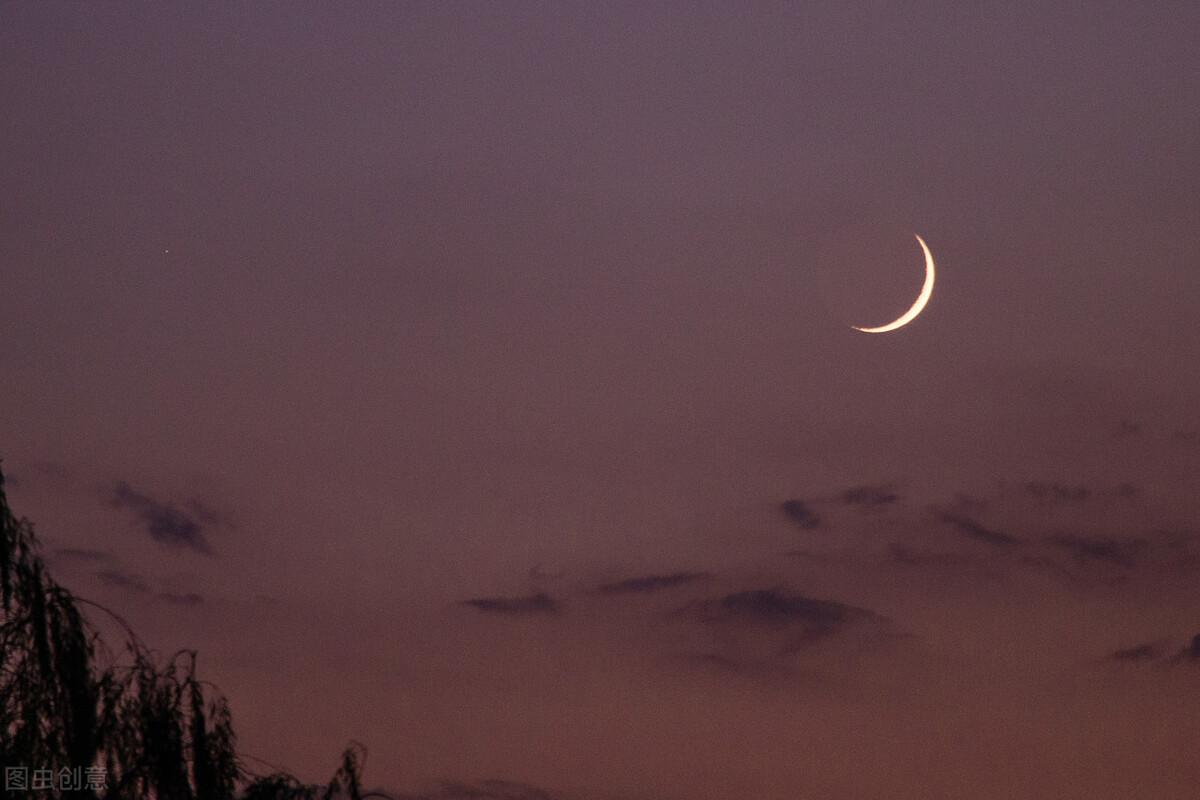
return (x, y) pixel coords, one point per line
(164, 522)
(1192, 651)
(800, 513)
(974, 530)
(776, 607)
(1141, 652)
(870, 498)
(1121, 552)
(651, 583)
(186, 599)
(540, 603)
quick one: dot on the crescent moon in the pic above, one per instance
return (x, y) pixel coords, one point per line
(922, 299)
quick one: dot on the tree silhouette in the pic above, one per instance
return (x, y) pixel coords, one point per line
(153, 730)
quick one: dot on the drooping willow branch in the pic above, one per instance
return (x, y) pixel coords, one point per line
(153, 730)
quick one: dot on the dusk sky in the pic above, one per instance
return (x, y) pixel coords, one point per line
(477, 382)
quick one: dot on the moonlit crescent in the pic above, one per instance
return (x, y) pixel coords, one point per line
(922, 299)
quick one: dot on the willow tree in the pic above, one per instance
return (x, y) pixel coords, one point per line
(114, 727)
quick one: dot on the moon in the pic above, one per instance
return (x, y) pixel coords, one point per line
(922, 298)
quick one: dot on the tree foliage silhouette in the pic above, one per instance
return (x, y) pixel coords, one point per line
(155, 729)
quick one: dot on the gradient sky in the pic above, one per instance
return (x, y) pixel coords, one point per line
(475, 381)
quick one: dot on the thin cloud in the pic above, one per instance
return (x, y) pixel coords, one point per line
(1192, 651)
(759, 632)
(1125, 491)
(120, 579)
(1141, 652)
(540, 603)
(651, 583)
(802, 618)
(1065, 494)
(776, 607)
(164, 522)
(1121, 552)
(978, 532)
(870, 498)
(800, 513)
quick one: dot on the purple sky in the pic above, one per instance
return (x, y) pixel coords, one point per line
(319, 321)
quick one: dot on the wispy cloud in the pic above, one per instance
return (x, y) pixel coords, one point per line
(870, 498)
(1192, 651)
(793, 620)
(185, 599)
(800, 513)
(777, 607)
(164, 522)
(120, 579)
(1141, 652)
(1061, 493)
(1121, 552)
(540, 603)
(1151, 651)
(651, 583)
(978, 532)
